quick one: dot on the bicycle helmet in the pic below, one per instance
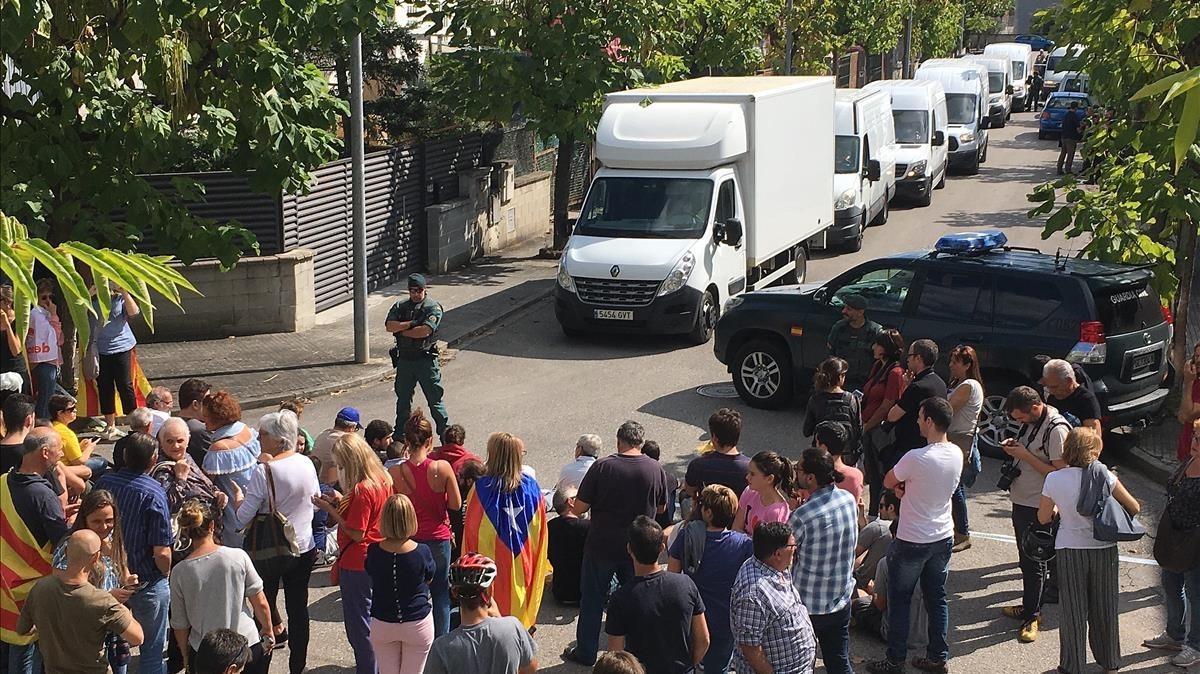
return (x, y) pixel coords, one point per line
(472, 570)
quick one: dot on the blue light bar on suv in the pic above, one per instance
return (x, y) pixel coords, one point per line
(971, 243)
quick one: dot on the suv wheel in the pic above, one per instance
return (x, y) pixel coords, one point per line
(995, 425)
(762, 374)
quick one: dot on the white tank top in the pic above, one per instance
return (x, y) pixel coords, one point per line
(967, 416)
(42, 341)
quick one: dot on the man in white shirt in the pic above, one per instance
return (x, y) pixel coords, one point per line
(924, 479)
(586, 451)
(159, 402)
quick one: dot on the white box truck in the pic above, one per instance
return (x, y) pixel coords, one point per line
(707, 188)
(864, 171)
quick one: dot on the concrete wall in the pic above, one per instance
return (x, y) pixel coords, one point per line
(488, 218)
(268, 294)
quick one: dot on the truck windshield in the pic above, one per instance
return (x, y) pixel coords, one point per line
(912, 126)
(647, 208)
(960, 108)
(845, 154)
(995, 83)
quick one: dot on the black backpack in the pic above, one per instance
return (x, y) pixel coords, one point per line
(847, 410)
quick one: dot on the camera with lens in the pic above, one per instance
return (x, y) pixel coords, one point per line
(1008, 472)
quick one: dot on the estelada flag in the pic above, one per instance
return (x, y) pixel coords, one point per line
(88, 400)
(22, 563)
(510, 527)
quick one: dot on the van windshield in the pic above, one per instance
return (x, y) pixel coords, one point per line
(647, 208)
(845, 154)
(995, 83)
(960, 108)
(912, 126)
(1052, 63)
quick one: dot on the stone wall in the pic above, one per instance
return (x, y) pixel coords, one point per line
(261, 295)
(497, 210)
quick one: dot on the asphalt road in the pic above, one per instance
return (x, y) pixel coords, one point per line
(526, 378)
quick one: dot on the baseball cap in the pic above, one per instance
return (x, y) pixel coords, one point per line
(855, 301)
(416, 281)
(349, 415)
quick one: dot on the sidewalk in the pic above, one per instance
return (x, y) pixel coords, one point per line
(261, 370)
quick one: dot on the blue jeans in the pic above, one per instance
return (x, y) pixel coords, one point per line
(356, 613)
(45, 384)
(150, 607)
(720, 651)
(958, 509)
(595, 582)
(929, 565)
(1182, 592)
(832, 631)
(439, 589)
(98, 465)
(25, 659)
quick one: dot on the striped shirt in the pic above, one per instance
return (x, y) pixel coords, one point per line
(826, 530)
(765, 611)
(145, 519)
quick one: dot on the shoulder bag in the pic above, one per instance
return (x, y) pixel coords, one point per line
(1176, 550)
(1111, 522)
(270, 538)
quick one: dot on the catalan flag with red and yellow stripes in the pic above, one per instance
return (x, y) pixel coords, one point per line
(510, 527)
(22, 563)
(88, 402)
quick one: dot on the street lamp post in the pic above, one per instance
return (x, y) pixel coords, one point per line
(358, 214)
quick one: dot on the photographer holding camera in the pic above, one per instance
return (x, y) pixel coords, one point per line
(1036, 452)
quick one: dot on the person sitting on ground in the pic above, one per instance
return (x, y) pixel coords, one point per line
(567, 534)
(139, 420)
(769, 621)
(73, 617)
(711, 554)
(587, 450)
(378, 435)
(484, 641)
(348, 420)
(832, 437)
(874, 540)
(657, 616)
(620, 662)
(870, 607)
(222, 652)
(78, 456)
(304, 441)
(725, 465)
(453, 451)
(159, 402)
(769, 481)
(667, 517)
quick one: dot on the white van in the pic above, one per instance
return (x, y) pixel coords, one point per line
(966, 87)
(1020, 58)
(1074, 82)
(1055, 68)
(919, 116)
(864, 165)
(999, 88)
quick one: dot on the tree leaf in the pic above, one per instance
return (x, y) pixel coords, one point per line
(1188, 121)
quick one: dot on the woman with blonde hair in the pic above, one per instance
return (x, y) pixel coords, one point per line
(433, 489)
(357, 516)
(401, 611)
(1087, 567)
(506, 520)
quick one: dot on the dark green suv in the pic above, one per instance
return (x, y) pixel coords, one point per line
(1009, 303)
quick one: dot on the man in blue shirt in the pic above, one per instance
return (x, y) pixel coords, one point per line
(146, 527)
(1069, 138)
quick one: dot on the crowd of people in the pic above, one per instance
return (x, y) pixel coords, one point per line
(178, 546)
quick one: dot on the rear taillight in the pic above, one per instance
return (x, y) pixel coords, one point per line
(1168, 316)
(1091, 347)
(1045, 114)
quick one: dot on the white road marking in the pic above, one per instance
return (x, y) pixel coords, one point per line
(1005, 538)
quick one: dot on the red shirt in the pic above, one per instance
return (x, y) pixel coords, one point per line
(455, 455)
(880, 387)
(361, 509)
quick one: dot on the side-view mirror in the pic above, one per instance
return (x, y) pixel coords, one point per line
(1008, 89)
(821, 295)
(874, 170)
(939, 139)
(985, 123)
(733, 232)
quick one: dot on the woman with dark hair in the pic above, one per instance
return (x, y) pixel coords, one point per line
(433, 490)
(765, 499)
(231, 457)
(831, 402)
(98, 512)
(880, 393)
(966, 399)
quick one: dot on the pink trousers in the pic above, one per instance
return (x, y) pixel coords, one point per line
(401, 648)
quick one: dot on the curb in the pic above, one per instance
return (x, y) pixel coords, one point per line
(383, 369)
(1149, 466)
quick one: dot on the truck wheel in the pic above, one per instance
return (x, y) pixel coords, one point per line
(973, 167)
(995, 425)
(571, 333)
(927, 198)
(854, 245)
(798, 272)
(882, 218)
(1003, 121)
(706, 319)
(942, 182)
(762, 374)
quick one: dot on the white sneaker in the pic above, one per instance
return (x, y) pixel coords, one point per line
(1186, 658)
(113, 433)
(1164, 641)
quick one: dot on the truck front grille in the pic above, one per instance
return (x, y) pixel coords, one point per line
(616, 292)
(901, 169)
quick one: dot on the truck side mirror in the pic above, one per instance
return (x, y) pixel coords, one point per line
(1008, 89)
(985, 123)
(733, 232)
(939, 139)
(874, 171)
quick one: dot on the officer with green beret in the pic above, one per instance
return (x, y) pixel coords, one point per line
(415, 322)
(851, 339)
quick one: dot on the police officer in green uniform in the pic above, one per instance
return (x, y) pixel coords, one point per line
(415, 323)
(851, 339)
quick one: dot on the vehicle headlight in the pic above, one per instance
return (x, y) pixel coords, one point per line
(916, 169)
(679, 275)
(845, 199)
(564, 279)
(994, 98)
(967, 137)
(732, 303)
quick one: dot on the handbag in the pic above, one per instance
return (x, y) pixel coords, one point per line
(1176, 550)
(270, 538)
(1111, 522)
(91, 362)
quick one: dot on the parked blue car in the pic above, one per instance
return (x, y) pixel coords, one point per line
(1036, 42)
(1051, 119)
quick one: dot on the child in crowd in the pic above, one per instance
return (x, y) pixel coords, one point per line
(304, 441)
(469, 471)
(320, 524)
(567, 534)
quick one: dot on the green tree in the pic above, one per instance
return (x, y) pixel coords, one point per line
(1144, 61)
(722, 37)
(984, 15)
(551, 62)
